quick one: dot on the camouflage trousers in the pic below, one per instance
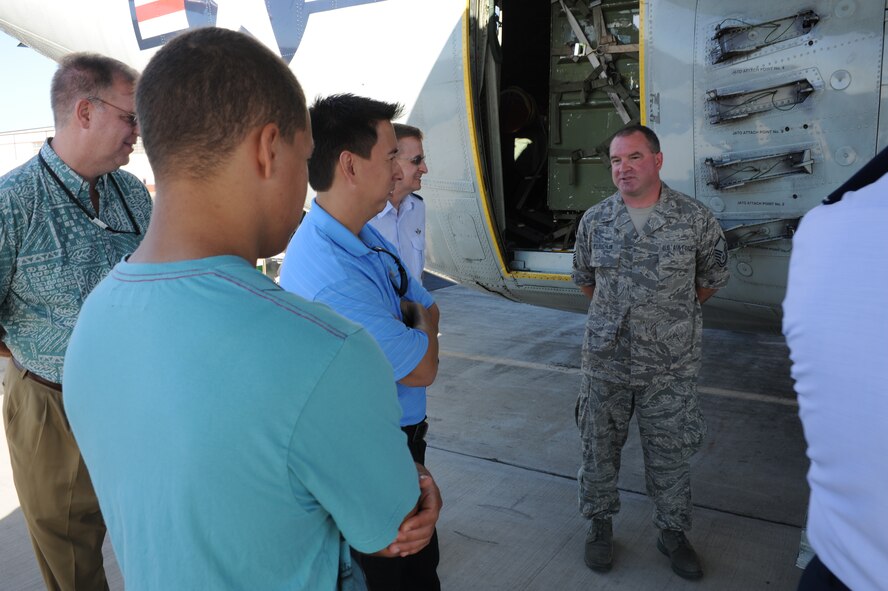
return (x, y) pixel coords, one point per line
(671, 428)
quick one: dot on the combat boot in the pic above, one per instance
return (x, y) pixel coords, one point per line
(599, 553)
(674, 544)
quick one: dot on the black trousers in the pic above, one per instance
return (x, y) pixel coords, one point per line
(413, 573)
(819, 578)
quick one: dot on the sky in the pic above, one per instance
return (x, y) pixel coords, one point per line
(24, 102)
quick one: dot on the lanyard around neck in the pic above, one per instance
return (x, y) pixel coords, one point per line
(95, 220)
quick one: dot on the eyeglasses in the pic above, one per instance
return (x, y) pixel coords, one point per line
(401, 288)
(128, 116)
(416, 160)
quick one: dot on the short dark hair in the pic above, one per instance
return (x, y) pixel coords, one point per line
(82, 75)
(343, 122)
(403, 130)
(651, 137)
(203, 92)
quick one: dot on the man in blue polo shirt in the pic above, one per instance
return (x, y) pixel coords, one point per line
(337, 258)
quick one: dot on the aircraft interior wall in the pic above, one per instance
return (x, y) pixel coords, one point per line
(557, 110)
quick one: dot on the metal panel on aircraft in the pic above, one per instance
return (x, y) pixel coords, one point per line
(794, 111)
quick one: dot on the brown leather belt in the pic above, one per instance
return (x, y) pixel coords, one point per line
(30, 374)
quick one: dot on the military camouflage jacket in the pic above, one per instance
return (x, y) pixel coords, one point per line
(644, 318)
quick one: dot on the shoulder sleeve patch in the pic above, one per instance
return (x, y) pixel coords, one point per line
(720, 252)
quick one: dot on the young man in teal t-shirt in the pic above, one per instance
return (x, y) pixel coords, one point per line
(237, 436)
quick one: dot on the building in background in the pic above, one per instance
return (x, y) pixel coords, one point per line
(17, 147)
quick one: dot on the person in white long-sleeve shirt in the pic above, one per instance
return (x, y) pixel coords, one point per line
(402, 222)
(836, 327)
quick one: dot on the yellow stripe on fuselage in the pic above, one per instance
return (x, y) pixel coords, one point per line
(473, 146)
(642, 6)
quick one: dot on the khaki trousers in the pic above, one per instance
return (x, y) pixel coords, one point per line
(54, 488)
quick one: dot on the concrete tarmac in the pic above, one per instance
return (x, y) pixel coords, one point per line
(503, 447)
(505, 450)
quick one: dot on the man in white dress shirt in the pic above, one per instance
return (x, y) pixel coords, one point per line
(836, 327)
(402, 222)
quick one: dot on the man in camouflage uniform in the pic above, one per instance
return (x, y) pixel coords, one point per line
(647, 257)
